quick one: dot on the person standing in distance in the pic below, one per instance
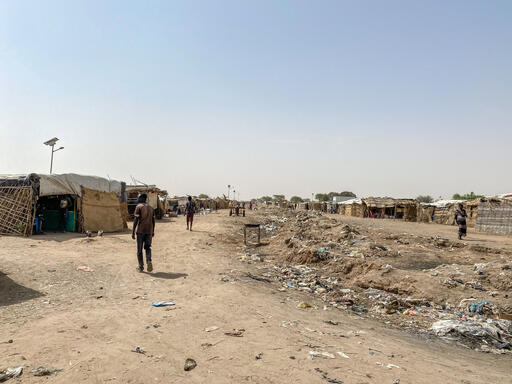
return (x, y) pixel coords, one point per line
(190, 209)
(144, 223)
(460, 219)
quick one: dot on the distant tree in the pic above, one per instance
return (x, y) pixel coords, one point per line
(266, 198)
(203, 196)
(278, 197)
(306, 200)
(296, 199)
(425, 199)
(322, 197)
(467, 196)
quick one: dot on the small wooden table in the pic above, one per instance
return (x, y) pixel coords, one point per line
(252, 226)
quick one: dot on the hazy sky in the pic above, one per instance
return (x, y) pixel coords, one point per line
(394, 98)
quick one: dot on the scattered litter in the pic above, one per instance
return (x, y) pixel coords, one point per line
(257, 278)
(286, 324)
(259, 356)
(410, 312)
(358, 309)
(162, 303)
(190, 364)
(84, 268)
(52, 270)
(478, 307)
(343, 355)
(211, 329)
(139, 350)
(487, 332)
(389, 366)
(235, 332)
(42, 371)
(10, 373)
(324, 355)
(304, 304)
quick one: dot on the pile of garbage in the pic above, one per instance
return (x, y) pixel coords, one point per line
(390, 277)
(488, 334)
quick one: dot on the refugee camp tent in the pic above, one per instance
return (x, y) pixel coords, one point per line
(444, 212)
(303, 205)
(390, 208)
(332, 207)
(495, 215)
(353, 207)
(425, 213)
(219, 203)
(32, 199)
(317, 206)
(406, 209)
(379, 207)
(156, 199)
(18, 194)
(471, 207)
(101, 211)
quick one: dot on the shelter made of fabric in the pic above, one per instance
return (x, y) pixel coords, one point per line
(100, 211)
(387, 202)
(71, 184)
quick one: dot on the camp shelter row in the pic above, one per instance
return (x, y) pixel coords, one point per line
(32, 202)
(156, 197)
(177, 205)
(487, 214)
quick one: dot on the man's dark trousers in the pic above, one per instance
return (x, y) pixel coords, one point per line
(144, 241)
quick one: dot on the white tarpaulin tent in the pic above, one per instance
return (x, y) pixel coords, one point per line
(67, 184)
(351, 201)
(71, 184)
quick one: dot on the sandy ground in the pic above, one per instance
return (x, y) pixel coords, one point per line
(88, 323)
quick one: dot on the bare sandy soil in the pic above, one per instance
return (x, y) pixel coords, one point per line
(87, 323)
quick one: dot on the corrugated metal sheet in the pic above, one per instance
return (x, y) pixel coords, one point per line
(495, 217)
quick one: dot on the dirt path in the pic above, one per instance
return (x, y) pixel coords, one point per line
(87, 323)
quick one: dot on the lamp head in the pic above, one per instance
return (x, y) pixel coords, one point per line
(51, 142)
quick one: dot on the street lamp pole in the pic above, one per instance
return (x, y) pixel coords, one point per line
(51, 143)
(229, 186)
(51, 161)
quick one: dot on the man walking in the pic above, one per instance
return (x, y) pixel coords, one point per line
(190, 209)
(144, 223)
